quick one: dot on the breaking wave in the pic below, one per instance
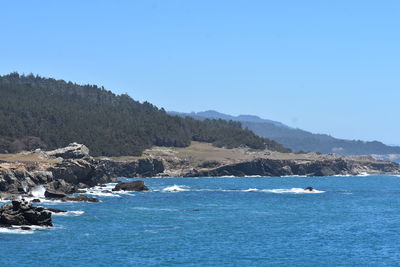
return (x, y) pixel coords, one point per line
(293, 191)
(106, 191)
(250, 190)
(176, 188)
(38, 191)
(69, 213)
(18, 229)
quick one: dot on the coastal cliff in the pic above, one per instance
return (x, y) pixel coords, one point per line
(69, 170)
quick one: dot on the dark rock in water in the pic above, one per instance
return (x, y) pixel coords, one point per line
(62, 186)
(54, 194)
(35, 200)
(56, 210)
(190, 210)
(131, 186)
(21, 212)
(309, 188)
(106, 191)
(25, 228)
(81, 198)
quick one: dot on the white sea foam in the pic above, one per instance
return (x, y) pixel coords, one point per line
(17, 229)
(363, 174)
(11, 230)
(69, 213)
(293, 191)
(103, 191)
(176, 188)
(250, 190)
(252, 176)
(38, 191)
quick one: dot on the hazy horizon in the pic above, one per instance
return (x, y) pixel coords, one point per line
(323, 67)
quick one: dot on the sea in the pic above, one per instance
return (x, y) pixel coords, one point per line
(248, 221)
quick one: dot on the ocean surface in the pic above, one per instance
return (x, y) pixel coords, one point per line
(349, 221)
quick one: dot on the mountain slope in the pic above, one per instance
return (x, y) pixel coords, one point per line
(300, 140)
(48, 113)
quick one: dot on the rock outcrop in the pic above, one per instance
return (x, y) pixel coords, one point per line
(75, 171)
(270, 167)
(63, 197)
(72, 151)
(131, 186)
(80, 198)
(23, 213)
(146, 167)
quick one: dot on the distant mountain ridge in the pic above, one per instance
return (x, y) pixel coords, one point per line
(300, 140)
(212, 114)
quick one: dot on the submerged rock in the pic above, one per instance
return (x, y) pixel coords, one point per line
(56, 210)
(309, 188)
(21, 212)
(131, 186)
(81, 198)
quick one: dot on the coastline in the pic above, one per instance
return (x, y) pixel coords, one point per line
(71, 169)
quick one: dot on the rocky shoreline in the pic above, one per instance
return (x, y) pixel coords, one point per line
(70, 170)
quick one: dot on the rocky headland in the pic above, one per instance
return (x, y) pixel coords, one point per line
(64, 173)
(70, 169)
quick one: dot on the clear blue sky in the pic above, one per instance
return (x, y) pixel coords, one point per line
(325, 66)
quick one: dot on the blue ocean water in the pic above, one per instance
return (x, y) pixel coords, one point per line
(352, 221)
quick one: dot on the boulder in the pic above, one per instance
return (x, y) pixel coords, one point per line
(81, 198)
(72, 151)
(54, 194)
(21, 212)
(62, 186)
(131, 186)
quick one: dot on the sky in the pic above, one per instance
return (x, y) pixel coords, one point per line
(324, 66)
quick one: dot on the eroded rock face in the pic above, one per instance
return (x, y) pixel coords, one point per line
(62, 186)
(72, 151)
(21, 212)
(75, 171)
(147, 167)
(16, 181)
(131, 186)
(270, 167)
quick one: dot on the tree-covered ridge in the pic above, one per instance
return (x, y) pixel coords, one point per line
(48, 113)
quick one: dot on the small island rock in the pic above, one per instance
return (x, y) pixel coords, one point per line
(131, 186)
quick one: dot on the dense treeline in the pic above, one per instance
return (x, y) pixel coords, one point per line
(48, 113)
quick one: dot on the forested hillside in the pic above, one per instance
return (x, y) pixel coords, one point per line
(48, 113)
